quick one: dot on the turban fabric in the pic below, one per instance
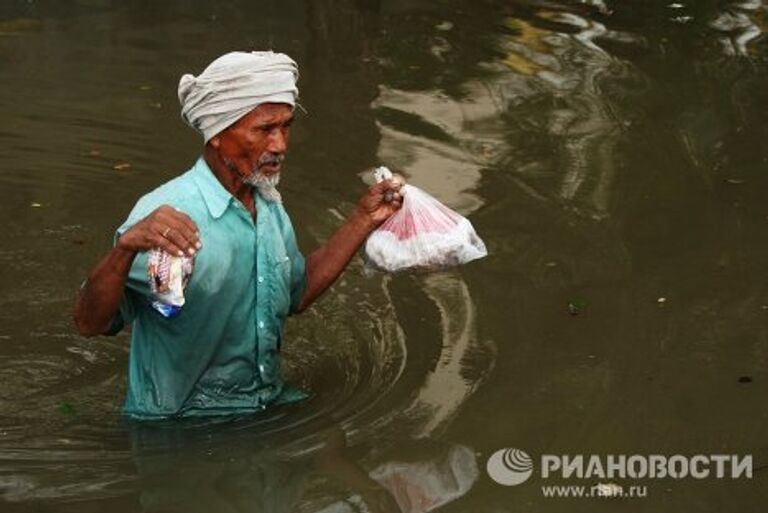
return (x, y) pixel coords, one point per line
(233, 85)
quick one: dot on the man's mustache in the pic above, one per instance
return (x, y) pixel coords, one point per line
(270, 159)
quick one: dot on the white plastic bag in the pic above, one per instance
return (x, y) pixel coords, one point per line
(424, 233)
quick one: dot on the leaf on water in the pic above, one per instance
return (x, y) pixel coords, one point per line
(67, 409)
(19, 25)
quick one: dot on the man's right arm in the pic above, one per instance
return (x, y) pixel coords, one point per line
(102, 292)
(100, 295)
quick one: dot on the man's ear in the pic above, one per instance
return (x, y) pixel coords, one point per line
(215, 142)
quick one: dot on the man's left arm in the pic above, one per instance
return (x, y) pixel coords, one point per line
(327, 262)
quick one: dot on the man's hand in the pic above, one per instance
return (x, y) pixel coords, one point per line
(99, 299)
(381, 201)
(165, 228)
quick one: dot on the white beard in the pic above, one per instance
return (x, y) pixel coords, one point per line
(266, 185)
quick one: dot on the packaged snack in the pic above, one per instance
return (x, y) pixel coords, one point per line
(168, 277)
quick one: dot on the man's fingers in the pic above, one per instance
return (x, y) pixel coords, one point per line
(166, 212)
(191, 236)
(166, 245)
(187, 221)
(378, 188)
(177, 227)
(386, 185)
(179, 240)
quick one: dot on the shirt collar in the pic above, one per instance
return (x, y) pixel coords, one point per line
(216, 197)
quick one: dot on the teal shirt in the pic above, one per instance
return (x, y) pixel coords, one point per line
(221, 354)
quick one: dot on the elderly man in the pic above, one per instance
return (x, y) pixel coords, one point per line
(221, 354)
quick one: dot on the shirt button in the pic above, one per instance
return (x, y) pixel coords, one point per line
(261, 279)
(261, 324)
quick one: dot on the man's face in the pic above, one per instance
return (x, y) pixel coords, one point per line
(255, 145)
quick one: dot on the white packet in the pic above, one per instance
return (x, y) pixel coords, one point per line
(168, 277)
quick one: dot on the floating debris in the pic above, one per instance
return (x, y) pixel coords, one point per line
(35, 205)
(745, 379)
(67, 409)
(444, 26)
(575, 307)
(20, 25)
(735, 181)
(122, 166)
(145, 87)
(661, 300)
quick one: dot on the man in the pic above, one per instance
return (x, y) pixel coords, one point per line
(221, 354)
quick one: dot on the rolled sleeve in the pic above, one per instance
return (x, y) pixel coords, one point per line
(137, 289)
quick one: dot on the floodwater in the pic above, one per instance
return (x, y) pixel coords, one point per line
(612, 155)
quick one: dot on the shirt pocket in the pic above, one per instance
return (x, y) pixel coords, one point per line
(281, 285)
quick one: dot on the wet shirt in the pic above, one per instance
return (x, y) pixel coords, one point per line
(221, 354)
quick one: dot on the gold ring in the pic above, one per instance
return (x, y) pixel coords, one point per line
(166, 231)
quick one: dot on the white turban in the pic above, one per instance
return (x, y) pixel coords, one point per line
(233, 85)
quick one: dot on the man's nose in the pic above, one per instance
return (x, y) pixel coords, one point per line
(278, 142)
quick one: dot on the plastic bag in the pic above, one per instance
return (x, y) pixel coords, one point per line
(420, 487)
(168, 277)
(424, 233)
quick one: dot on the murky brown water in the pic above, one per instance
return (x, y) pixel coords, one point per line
(613, 157)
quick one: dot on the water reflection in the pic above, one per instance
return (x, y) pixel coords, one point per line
(415, 486)
(551, 56)
(517, 114)
(198, 469)
(740, 24)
